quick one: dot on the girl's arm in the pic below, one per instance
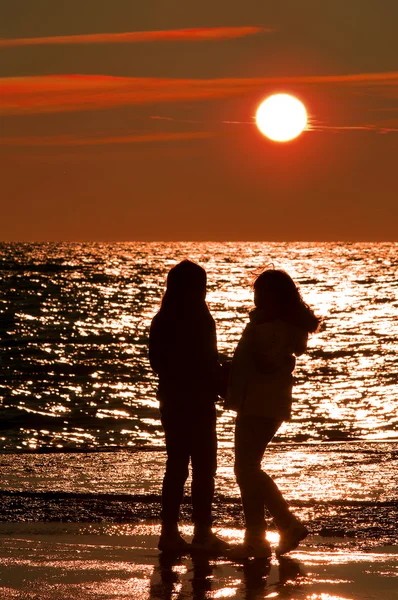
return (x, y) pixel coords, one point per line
(266, 353)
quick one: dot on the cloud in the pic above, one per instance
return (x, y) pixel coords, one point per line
(66, 93)
(132, 37)
(66, 140)
(381, 128)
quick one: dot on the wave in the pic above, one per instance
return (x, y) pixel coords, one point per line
(37, 267)
(149, 498)
(365, 520)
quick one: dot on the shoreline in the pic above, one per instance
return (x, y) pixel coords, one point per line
(222, 447)
(340, 487)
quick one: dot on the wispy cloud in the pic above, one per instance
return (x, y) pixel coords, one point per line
(66, 93)
(132, 37)
(388, 128)
(66, 140)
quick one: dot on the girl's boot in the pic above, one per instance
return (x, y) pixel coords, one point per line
(171, 540)
(254, 545)
(204, 540)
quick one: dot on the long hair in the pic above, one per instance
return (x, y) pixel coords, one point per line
(276, 291)
(186, 290)
(182, 337)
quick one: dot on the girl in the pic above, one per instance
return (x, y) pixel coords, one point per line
(260, 391)
(183, 353)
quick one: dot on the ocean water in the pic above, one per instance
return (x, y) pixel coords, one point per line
(74, 371)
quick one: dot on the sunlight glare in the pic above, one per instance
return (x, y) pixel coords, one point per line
(281, 117)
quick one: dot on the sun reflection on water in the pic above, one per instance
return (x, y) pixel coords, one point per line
(76, 321)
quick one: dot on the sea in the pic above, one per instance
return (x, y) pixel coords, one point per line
(80, 434)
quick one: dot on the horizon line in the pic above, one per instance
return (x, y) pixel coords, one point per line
(195, 241)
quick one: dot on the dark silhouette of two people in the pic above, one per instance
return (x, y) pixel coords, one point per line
(183, 353)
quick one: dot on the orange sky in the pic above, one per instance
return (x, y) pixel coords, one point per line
(123, 123)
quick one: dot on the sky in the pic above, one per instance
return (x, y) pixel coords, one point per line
(123, 120)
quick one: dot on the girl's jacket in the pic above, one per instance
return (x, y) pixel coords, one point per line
(183, 352)
(261, 380)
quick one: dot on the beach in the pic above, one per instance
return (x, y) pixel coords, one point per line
(86, 526)
(109, 562)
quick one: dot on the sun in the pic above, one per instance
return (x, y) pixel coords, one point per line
(281, 117)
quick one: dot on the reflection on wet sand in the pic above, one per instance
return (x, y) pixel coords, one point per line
(176, 576)
(254, 577)
(70, 561)
(167, 580)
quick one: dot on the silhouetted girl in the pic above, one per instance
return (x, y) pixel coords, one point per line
(260, 390)
(183, 352)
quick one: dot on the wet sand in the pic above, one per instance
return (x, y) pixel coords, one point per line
(60, 561)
